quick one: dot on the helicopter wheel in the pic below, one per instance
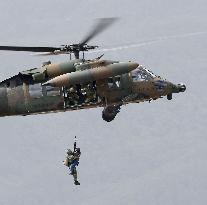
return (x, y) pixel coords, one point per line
(110, 112)
(169, 96)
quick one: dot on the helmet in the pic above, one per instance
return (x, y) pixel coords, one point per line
(78, 150)
(71, 90)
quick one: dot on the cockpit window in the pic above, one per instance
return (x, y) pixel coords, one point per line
(142, 74)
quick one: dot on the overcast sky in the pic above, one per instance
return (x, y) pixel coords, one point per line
(152, 153)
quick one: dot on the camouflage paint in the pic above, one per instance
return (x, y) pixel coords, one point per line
(114, 85)
(4, 107)
(16, 100)
(53, 70)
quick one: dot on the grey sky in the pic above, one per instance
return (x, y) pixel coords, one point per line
(152, 153)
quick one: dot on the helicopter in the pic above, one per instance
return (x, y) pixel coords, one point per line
(80, 83)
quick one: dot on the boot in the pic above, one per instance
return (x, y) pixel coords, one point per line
(76, 182)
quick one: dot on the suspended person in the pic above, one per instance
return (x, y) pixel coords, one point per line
(72, 161)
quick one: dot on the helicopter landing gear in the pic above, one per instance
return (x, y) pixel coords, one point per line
(110, 112)
(169, 96)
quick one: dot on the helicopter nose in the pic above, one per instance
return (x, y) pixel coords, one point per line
(178, 88)
(181, 87)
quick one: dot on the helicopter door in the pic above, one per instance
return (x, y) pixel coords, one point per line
(117, 87)
(80, 95)
(44, 98)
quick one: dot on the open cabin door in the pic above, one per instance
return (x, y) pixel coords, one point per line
(80, 96)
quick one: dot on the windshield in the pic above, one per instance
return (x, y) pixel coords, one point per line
(142, 74)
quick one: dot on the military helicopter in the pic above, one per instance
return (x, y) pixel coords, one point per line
(80, 83)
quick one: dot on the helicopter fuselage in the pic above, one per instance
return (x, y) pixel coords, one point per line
(21, 95)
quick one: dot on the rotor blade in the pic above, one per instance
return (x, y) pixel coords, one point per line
(50, 53)
(100, 26)
(31, 49)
